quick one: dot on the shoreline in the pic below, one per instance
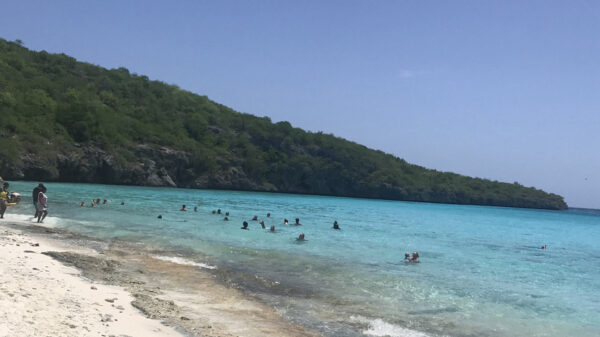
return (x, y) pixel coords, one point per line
(154, 297)
(363, 197)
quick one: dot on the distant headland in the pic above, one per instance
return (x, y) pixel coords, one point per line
(69, 121)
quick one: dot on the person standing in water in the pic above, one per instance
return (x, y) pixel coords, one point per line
(36, 192)
(42, 208)
(183, 208)
(3, 199)
(335, 225)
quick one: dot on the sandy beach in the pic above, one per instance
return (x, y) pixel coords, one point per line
(55, 285)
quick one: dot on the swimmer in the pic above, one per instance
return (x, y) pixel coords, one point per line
(214, 212)
(219, 211)
(335, 225)
(122, 203)
(82, 204)
(268, 215)
(407, 257)
(245, 225)
(415, 257)
(105, 202)
(159, 216)
(98, 201)
(227, 213)
(183, 208)
(195, 208)
(301, 237)
(255, 218)
(225, 219)
(262, 224)
(298, 222)
(285, 221)
(93, 203)
(543, 247)
(272, 229)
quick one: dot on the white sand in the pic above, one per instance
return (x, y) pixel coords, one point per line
(41, 297)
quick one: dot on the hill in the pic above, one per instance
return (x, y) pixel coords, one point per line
(69, 121)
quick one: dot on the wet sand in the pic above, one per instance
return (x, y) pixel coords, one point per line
(55, 283)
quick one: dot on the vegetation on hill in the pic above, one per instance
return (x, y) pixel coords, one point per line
(64, 120)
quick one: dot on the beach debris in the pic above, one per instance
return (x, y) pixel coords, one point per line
(106, 318)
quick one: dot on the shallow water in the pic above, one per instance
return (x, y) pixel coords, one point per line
(481, 272)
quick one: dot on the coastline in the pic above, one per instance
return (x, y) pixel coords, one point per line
(57, 283)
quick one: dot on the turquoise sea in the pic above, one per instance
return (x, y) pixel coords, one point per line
(481, 271)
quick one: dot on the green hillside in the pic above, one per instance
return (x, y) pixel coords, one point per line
(64, 120)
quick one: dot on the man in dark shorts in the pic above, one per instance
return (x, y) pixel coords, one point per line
(36, 193)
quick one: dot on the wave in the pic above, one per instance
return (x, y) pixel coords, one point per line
(180, 260)
(25, 219)
(381, 328)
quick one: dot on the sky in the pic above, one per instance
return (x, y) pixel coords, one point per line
(503, 90)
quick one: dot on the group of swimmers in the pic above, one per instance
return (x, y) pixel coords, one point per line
(245, 225)
(414, 258)
(95, 202)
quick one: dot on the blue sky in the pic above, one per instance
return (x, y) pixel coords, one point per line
(505, 90)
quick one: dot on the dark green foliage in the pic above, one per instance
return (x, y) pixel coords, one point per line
(65, 120)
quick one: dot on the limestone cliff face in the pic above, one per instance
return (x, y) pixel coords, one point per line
(151, 166)
(164, 166)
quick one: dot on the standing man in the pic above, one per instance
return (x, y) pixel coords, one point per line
(3, 199)
(42, 205)
(36, 193)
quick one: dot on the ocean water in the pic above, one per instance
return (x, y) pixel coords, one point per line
(481, 271)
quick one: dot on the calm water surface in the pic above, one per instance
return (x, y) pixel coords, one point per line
(481, 272)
